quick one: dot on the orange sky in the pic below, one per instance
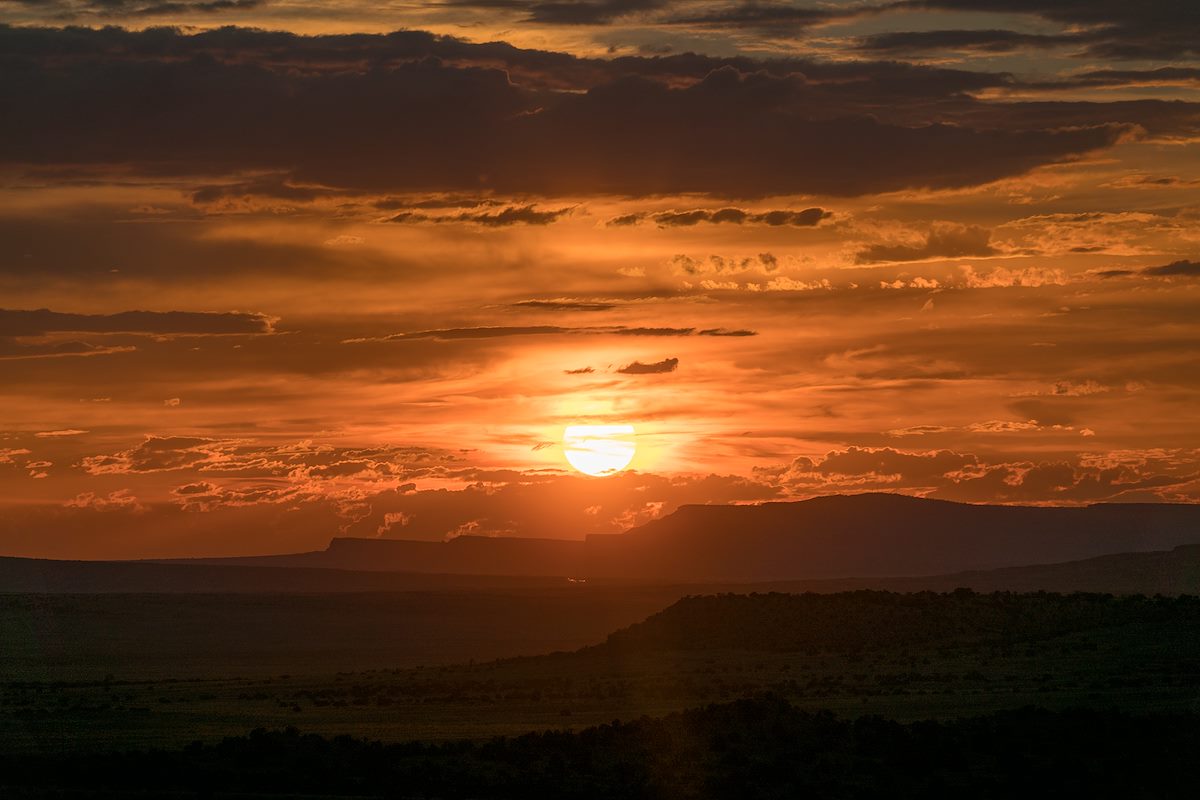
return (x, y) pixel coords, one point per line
(289, 271)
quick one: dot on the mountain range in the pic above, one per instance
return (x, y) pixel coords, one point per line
(865, 535)
(842, 541)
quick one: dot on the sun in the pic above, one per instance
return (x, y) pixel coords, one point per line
(599, 449)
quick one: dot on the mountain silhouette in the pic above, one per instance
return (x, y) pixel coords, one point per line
(881, 535)
(824, 544)
(839, 536)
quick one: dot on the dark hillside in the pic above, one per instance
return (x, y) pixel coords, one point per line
(865, 620)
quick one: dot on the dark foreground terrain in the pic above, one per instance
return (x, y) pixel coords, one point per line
(905, 657)
(751, 748)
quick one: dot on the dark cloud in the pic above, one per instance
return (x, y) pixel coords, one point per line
(988, 41)
(774, 17)
(337, 112)
(736, 216)
(489, 332)
(1045, 412)
(565, 305)
(770, 18)
(580, 371)
(806, 218)
(1162, 76)
(1100, 28)
(968, 477)
(138, 8)
(42, 321)
(159, 454)
(504, 331)
(273, 188)
(655, 368)
(514, 215)
(100, 249)
(717, 264)
(12, 349)
(945, 241)
(649, 331)
(1176, 269)
(436, 203)
(677, 219)
(626, 220)
(726, 332)
(141, 9)
(588, 12)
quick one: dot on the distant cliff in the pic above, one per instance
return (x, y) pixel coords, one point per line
(876, 535)
(841, 536)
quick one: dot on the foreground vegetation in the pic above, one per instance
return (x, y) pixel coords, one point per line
(752, 748)
(905, 657)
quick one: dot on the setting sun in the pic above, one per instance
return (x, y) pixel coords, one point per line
(599, 449)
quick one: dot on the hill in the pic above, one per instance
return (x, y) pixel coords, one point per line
(35, 575)
(131, 672)
(870, 620)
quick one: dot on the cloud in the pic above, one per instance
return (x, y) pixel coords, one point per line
(1078, 388)
(626, 220)
(659, 13)
(940, 41)
(951, 475)
(37, 334)
(7, 454)
(735, 127)
(274, 187)
(1099, 29)
(42, 321)
(655, 368)
(717, 264)
(12, 349)
(942, 241)
(726, 332)
(1176, 269)
(1146, 182)
(565, 304)
(160, 454)
(505, 331)
(514, 215)
(1005, 277)
(59, 433)
(1161, 76)
(233, 496)
(875, 467)
(769, 18)
(107, 9)
(581, 12)
(674, 219)
(120, 500)
(806, 218)
(580, 371)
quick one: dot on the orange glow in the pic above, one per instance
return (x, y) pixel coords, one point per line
(436, 297)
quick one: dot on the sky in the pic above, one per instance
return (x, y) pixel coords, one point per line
(274, 271)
